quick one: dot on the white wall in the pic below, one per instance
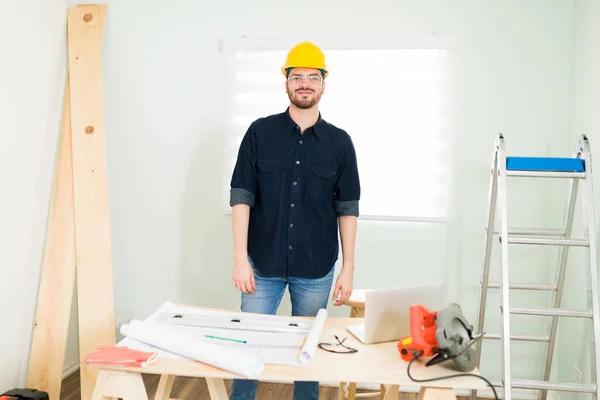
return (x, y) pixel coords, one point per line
(32, 73)
(165, 118)
(575, 334)
(165, 107)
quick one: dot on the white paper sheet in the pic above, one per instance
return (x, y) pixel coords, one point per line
(195, 348)
(310, 346)
(271, 347)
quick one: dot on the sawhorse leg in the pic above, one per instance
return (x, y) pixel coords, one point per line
(347, 392)
(426, 393)
(112, 384)
(165, 385)
(392, 392)
(216, 388)
(127, 385)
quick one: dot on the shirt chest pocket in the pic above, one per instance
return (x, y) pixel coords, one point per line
(271, 174)
(321, 180)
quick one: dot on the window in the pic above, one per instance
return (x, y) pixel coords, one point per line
(392, 100)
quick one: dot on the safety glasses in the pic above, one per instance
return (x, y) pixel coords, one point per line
(337, 347)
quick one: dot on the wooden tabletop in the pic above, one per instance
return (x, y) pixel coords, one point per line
(377, 363)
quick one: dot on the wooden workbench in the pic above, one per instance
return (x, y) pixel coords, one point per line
(378, 363)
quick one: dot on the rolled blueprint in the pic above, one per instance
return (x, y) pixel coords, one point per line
(312, 340)
(198, 349)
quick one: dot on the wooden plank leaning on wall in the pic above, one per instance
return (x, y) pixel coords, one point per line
(78, 235)
(55, 294)
(90, 186)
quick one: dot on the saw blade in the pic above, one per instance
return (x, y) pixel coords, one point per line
(467, 361)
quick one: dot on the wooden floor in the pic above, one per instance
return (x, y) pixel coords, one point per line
(195, 388)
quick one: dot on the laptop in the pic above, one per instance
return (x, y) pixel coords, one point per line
(387, 311)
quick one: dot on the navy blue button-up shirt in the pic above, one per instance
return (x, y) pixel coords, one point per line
(297, 185)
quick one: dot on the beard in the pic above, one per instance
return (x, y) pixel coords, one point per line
(304, 102)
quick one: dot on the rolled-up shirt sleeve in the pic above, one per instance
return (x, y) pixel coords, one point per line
(243, 180)
(348, 186)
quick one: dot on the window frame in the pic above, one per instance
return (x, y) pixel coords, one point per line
(232, 45)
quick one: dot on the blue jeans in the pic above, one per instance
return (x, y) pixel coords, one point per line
(307, 296)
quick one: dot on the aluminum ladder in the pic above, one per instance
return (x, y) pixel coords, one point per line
(578, 169)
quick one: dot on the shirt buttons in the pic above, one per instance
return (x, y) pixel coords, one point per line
(295, 183)
(301, 142)
(290, 247)
(291, 225)
(292, 205)
(297, 162)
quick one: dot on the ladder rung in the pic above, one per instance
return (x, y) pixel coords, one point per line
(545, 174)
(552, 312)
(522, 338)
(525, 287)
(533, 232)
(541, 385)
(549, 242)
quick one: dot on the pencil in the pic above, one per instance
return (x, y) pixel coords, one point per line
(223, 338)
(302, 346)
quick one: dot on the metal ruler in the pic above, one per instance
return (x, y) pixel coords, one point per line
(250, 322)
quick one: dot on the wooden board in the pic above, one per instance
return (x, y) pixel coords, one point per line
(90, 186)
(50, 328)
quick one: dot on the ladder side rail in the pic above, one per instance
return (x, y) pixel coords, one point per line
(592, 262)
(569, 216)
(505, 342)
(489, 237)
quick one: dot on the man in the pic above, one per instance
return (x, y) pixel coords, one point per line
(296, 177)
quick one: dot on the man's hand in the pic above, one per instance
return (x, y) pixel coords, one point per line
(243, 276)
(343, 286)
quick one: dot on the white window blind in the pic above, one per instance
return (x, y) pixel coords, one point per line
(392, 102)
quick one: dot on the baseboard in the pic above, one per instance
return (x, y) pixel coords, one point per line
(70, 368)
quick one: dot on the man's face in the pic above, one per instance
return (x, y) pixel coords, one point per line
(305, 87)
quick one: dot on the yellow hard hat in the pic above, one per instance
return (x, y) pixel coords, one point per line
(305, 55)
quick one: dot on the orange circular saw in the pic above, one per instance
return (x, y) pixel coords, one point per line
(443, 335)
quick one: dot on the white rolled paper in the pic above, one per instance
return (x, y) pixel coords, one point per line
(312, 340)
(198, 349)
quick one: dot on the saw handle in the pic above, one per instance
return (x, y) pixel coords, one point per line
(422, 341)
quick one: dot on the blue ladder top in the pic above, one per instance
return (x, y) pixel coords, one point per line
(545, 164)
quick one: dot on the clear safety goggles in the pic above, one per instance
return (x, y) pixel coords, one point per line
(302, 78)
